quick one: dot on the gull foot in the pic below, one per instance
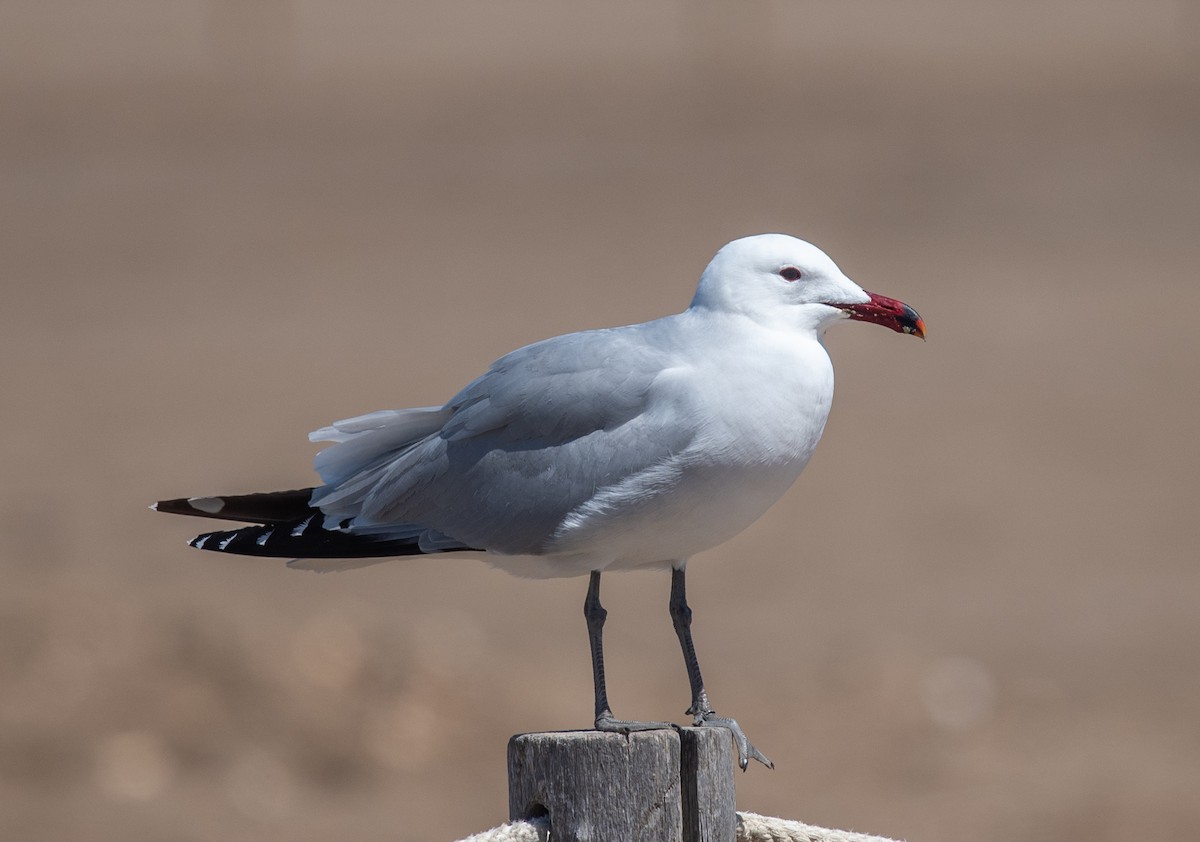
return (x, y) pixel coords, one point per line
(606, 722)
(745, 748)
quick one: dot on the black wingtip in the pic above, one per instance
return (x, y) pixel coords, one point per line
(306, 539)
(194, 506)
(267, 507)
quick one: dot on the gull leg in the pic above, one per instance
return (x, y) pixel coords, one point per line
(595, 615)
(701, 710)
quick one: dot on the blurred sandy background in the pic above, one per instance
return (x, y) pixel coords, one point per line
(225, 224)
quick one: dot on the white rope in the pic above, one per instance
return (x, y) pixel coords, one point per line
(751, 827)
(537, 830)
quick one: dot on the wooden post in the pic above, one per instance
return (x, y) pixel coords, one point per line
(649, 786)
(706, 771)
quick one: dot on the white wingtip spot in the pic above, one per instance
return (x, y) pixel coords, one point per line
(226, 541)
(153, 507)
(208, 505)
(199, 542)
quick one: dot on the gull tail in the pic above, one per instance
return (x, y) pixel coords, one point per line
(287, 526)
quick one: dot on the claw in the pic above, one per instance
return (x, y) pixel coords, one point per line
(745, 748)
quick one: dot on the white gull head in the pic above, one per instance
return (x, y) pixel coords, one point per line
(777, 279)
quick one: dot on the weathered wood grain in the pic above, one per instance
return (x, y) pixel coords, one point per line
(649, 786)
(707, 789)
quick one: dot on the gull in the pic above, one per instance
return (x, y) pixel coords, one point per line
(624, 448)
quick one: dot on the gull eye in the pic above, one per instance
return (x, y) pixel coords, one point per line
(790, 273)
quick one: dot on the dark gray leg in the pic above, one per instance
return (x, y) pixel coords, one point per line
(701, 710)
(595, 615)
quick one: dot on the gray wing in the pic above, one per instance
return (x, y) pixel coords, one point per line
(508, 458)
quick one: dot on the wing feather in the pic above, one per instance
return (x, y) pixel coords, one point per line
(504, 463)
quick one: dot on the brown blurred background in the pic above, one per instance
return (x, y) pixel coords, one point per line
(225, 224)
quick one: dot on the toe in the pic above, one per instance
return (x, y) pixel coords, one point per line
(745, 749)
